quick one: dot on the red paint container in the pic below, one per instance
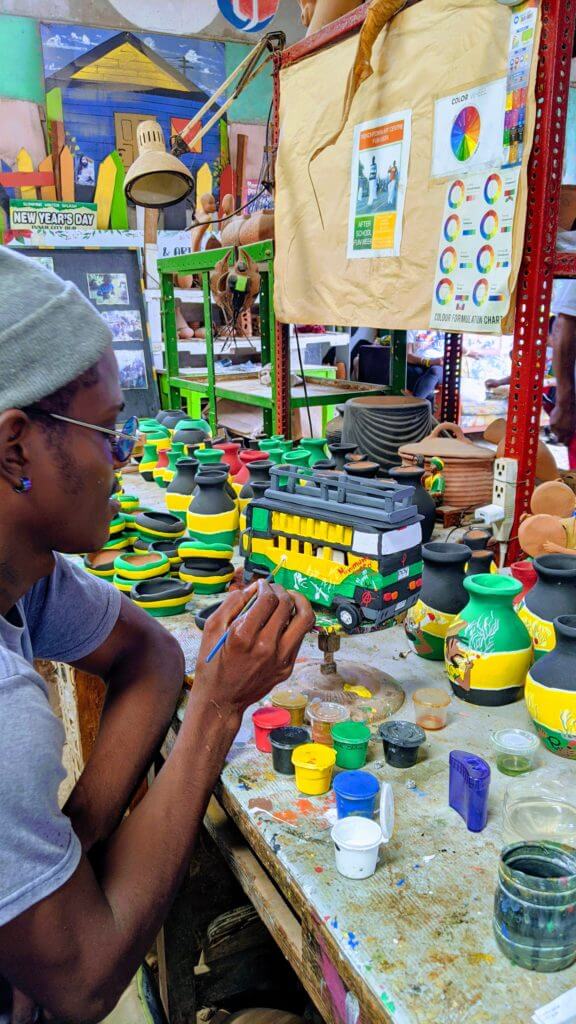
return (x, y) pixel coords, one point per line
(525, 573)
(265, 719)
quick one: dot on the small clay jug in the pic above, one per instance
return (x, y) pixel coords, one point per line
(181, 487)
(480, 562)
(231, 450)
(411, 476)
(477, 539)
(174, 453)
(441, 599)
(248, 457)
(209, 456)
(316, 447)
(551, 691)
(212, 514)
(488, 648)
(553, 594)
(259, 472)
(340, 451)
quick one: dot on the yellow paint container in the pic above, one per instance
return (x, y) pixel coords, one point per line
(314, 764)
(292, 700)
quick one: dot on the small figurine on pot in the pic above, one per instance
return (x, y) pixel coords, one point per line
(434, 482)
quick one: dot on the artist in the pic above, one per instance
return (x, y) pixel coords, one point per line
(84, 891)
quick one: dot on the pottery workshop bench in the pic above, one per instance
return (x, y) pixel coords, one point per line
(413, 944)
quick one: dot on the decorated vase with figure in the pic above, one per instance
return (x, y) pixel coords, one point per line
(488, 649)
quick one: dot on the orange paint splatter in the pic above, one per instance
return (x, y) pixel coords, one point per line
(305, 806)
(286, 816)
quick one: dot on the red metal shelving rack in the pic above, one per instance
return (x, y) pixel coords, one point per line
(541, 262)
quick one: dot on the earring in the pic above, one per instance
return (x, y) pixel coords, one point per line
(24, 486)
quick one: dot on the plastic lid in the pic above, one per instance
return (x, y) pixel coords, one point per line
(432, 697)
(350, 733)
(314, 755)
(270, 717)
(403, 734)
(326, 711)
(289, 697)
(356, 785)
(386, 811)
(515, 741)
(289, 736)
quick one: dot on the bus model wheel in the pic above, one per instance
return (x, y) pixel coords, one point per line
(348, 617)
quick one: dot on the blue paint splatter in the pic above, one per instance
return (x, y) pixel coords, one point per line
(419, 792)
(334, 922)
(353, 942)
(400, 883)
(416, 866)
(275, 844)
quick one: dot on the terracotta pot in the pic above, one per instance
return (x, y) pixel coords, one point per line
(554, 499)
(380, 425)
(468, 468)
(546, 468)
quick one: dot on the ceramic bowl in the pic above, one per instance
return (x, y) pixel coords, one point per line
(162, 597)
(142, 565)
(159, 526)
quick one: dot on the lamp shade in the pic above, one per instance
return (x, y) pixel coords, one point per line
(156, 178)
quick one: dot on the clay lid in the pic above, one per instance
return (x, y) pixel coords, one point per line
(456, 447)
(553, 498)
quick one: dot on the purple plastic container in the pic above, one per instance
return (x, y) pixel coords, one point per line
(469, 786)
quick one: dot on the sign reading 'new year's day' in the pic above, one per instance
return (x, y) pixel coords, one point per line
(37, 215)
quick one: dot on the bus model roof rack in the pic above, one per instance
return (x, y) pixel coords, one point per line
(337, 498)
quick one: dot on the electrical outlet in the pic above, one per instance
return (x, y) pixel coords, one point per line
(504, 495)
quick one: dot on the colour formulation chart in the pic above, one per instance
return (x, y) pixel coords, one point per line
(471, 287)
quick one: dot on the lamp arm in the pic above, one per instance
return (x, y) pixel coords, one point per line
(247, 70)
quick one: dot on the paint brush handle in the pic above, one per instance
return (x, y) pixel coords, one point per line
(249, 604)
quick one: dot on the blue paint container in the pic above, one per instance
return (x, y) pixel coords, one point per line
(356, 794)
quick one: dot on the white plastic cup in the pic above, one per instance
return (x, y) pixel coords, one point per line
(356, 844)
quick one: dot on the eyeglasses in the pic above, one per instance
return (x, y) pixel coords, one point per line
(124, 439)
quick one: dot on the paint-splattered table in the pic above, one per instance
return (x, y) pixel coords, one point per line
(413, 944)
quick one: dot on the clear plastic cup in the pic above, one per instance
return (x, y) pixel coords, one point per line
(515, 750)
(541, 808)
(322, 715)
(431, 707)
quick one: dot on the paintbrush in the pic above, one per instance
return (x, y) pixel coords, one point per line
(220, 643)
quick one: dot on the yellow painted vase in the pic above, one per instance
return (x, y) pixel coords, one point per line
(551, 691)
(441, 600)
(553, 595)
(488, 650)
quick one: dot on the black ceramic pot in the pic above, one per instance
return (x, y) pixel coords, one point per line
(340, 451)
(551, 691)
(259, 474)
(381, 424)
(441, 599)
(477, 539)
(553, 594)
(169, 414)
(480, 562)
(184, 477)
(326, 466)
(211, 474)
(189, 436)
(412, 476)
(364, 469)
(211, 494)
(201, 617)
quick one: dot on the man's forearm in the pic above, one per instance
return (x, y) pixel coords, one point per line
(142, 691)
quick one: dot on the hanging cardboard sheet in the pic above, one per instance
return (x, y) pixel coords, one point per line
(434, 49)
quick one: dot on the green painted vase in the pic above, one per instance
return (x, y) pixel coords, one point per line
(316, 448)
(153, 445)
(174, 453)
(488, 649)
(208, 456)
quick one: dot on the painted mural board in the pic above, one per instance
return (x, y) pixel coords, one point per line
(40, 215)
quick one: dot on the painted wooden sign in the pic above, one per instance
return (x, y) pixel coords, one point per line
(36, 215)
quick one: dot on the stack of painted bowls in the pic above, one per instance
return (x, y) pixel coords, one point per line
(152, 526)
(212, 515)
(162, 597)
(208, 567)
(132, 568)
(169, 417)
(101, 563)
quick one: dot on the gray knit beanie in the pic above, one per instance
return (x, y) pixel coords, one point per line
(49, 333)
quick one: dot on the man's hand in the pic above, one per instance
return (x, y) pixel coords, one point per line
(563, 422)
(261, 647)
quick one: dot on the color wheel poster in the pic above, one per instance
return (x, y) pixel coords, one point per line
(474, 255)
(469, 129)
(380, 154)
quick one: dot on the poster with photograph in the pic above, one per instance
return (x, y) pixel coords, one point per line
(44, 261)
(380, 155)
(125, 324)
(108, 289)
(132, 368)
(469, 129)
(84, 170)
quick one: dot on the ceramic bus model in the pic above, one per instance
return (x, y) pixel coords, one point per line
(351, 546)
